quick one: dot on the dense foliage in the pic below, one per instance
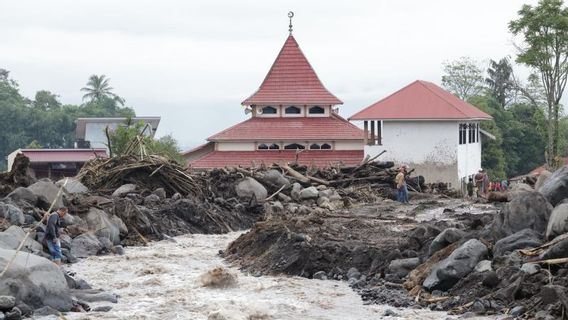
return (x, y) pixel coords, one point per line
(45, 121)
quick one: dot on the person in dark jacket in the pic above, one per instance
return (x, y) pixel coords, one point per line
(52, 234)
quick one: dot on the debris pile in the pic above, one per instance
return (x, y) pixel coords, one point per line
(512, 259)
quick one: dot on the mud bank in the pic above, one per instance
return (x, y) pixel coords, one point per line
(161, 281)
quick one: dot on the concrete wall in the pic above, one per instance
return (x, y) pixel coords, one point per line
(349, 145)
(95, 133)
(250, 146)
(429, 147)
(235, 146)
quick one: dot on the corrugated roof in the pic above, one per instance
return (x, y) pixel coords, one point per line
(301, 128)
(63, 155)
(291, 80)
(421, 100)
(317, 158)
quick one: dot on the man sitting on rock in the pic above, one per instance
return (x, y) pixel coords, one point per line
(52, 234)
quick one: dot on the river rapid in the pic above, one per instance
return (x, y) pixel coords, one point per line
(162, 281)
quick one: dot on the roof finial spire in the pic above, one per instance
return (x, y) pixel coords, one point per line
(290, 15)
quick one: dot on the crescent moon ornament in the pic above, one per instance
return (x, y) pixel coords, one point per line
(290, 15)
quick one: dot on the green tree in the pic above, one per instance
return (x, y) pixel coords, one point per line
(500, 81)
(463, 78)
(46, 100)
(544, 29)
(98, 88)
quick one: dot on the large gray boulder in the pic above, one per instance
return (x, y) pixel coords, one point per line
(444, 239)
(249, 187)
(22, 194)
(402, 267)
(102, 225)
(526, 238)
(541, 180)
(73, 186)
(527, 210)
(14, 235)
(457, 265)
(309, 193)
(85, 245)
(558, 221)
(557, 250)
(275, 179)
(124, 190)
(35, 281)
(555, 189)
(12, 214)
(47, 189)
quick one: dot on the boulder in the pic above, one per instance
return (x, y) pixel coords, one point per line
(160, 192)
(35, 281)
(541, 180)
(402, 267)
(444, 239)
(12, 214)
(65, 240)
(483, 266)
(22, 194)
(555, 189)
(526, 238)
(152, 199)
(47, 189)
(527, 210)
(295, 193)
(309, 193)
(284, 198)
(320, 275)
(457, 265)
(14, 235)
(46, 311)
(73, 186)
(85, 245)
(275, 179)
(124, 190)
(122, 228)
(556, 250)
(7, 302)
(249, 187)
(99, 222)
(558, 221)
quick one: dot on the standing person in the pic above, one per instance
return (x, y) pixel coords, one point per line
(479, 182)
(400, 179)
(470, 188)
(52, 234)
(485, 183)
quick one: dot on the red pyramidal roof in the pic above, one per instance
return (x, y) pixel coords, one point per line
(421, 100)
(291, 80)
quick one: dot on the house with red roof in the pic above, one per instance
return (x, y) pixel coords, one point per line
(428, 129)
(292, 119)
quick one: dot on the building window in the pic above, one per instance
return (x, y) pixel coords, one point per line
(262, 147)
(315, 146)
(326, 146)
(294, 146)
(274, 146)
(477, 132)
(317, 110)
(471, 133)
(293, 110)
(269, 110)
(462, 133)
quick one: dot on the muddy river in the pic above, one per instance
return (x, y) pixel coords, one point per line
(162, 281)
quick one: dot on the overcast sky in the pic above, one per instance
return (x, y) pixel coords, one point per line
(193, 62)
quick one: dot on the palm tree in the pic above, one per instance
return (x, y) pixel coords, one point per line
(98, 88)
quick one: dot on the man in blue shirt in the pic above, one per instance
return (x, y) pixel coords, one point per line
(52, 234)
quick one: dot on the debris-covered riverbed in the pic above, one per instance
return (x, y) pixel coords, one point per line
(162, 281)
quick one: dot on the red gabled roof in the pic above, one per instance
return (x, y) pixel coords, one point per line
(318, 158)
(291, 80)
(301, 128)
(421, 100)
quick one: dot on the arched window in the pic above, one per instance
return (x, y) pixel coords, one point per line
(262, 147)
(292, 110)
(315, 146)
(269, 110)
(326, 146)
(274, 146)
(317, 110)
(294, 146)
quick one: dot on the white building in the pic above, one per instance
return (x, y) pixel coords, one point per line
(427, 128)
(90, 132)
